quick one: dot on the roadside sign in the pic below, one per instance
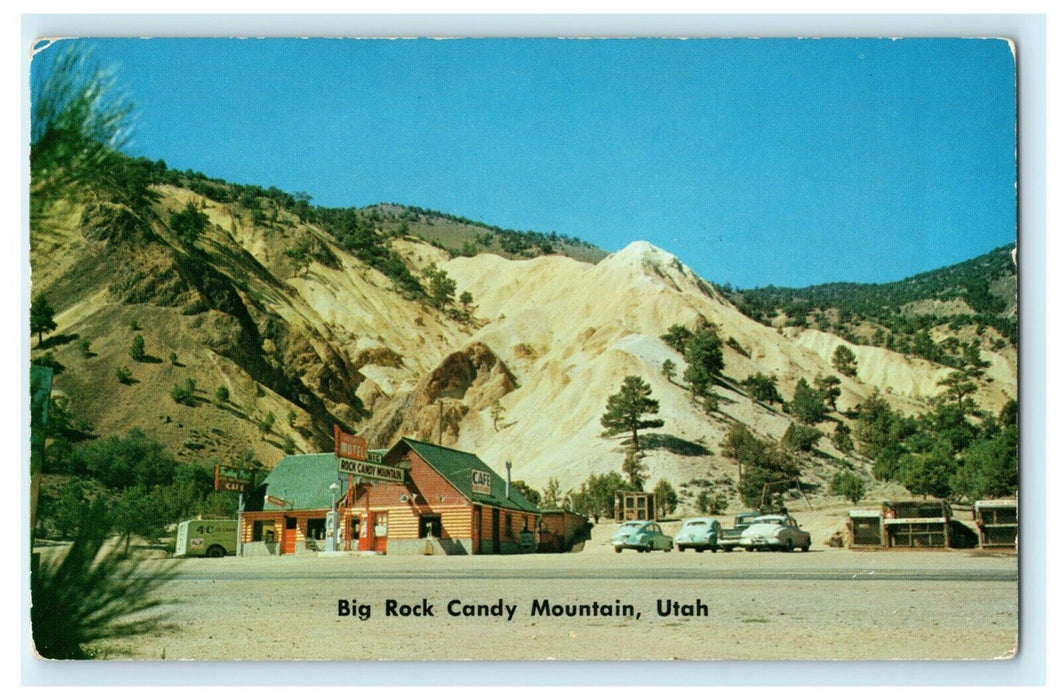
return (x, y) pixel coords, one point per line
(231, 479)
(372, 470)
(350, 446)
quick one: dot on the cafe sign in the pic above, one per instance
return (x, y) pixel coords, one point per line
(231, 479)
(350, 446)
(481, 482)
(372, 471)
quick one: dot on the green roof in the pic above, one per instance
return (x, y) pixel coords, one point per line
(456, 466)
(302, 481)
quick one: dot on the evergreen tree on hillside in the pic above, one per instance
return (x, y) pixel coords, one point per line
(677, 337)
(762, 388)
(742, 446)
(772, 472)
(705, 362)
(958, 388)
(844, 360)
(828, 389)
(188, 224)
(626, 410)
(807, 405)
(41, 317)
(441, 289)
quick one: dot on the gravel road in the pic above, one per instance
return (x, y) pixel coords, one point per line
(820, 605)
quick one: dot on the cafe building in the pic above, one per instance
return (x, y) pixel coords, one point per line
(415, 498)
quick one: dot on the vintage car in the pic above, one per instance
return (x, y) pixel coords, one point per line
(698, 534)
(729, 538)
(775, 532)
(642, 535)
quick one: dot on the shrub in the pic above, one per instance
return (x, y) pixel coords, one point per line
(118, 462)
(188, 224)
(136, 351)
(711, 504)
(842, 439)
(124, 375)
(222, 394)
(184, 393)
(801, 438)
(665, 497)
(848, 485)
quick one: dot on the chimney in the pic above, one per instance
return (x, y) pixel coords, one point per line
(507, 479)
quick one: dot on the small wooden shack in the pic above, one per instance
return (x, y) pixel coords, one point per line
(917, 523)
(901, 524)
(998, 522)
(865, 529)
(634, 505)
(561, 530)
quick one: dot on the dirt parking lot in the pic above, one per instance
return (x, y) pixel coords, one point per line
(824, 604)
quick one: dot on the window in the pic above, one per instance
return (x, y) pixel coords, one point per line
(430, 526)
(381, 520)
(315, 528)
(264, 531)
(508, 524)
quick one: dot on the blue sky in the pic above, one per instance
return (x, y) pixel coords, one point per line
(787, 162)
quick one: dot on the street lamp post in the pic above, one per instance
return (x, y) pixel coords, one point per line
(333, 538)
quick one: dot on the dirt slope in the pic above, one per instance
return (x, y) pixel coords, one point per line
(314, 344)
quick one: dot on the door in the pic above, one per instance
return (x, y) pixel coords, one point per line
(496, 531)
(380, 524)
(476, 530)
(290, 535)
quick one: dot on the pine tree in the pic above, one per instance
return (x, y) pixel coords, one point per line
(703, 354)
(828, 388)
(41, 318)
(635, 470)
(626, 410)
(665, 497)
(844, 360)
(807, 405)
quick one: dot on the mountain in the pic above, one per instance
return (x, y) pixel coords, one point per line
(319, 316)
(913, 315)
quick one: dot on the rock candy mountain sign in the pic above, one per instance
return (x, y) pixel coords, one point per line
(352, 451)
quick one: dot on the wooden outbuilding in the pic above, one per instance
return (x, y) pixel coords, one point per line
(415, 498)
(562, 530)
(917, 523)
(865, 529)
(901, 524)
(634, 505)
(998, 522)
